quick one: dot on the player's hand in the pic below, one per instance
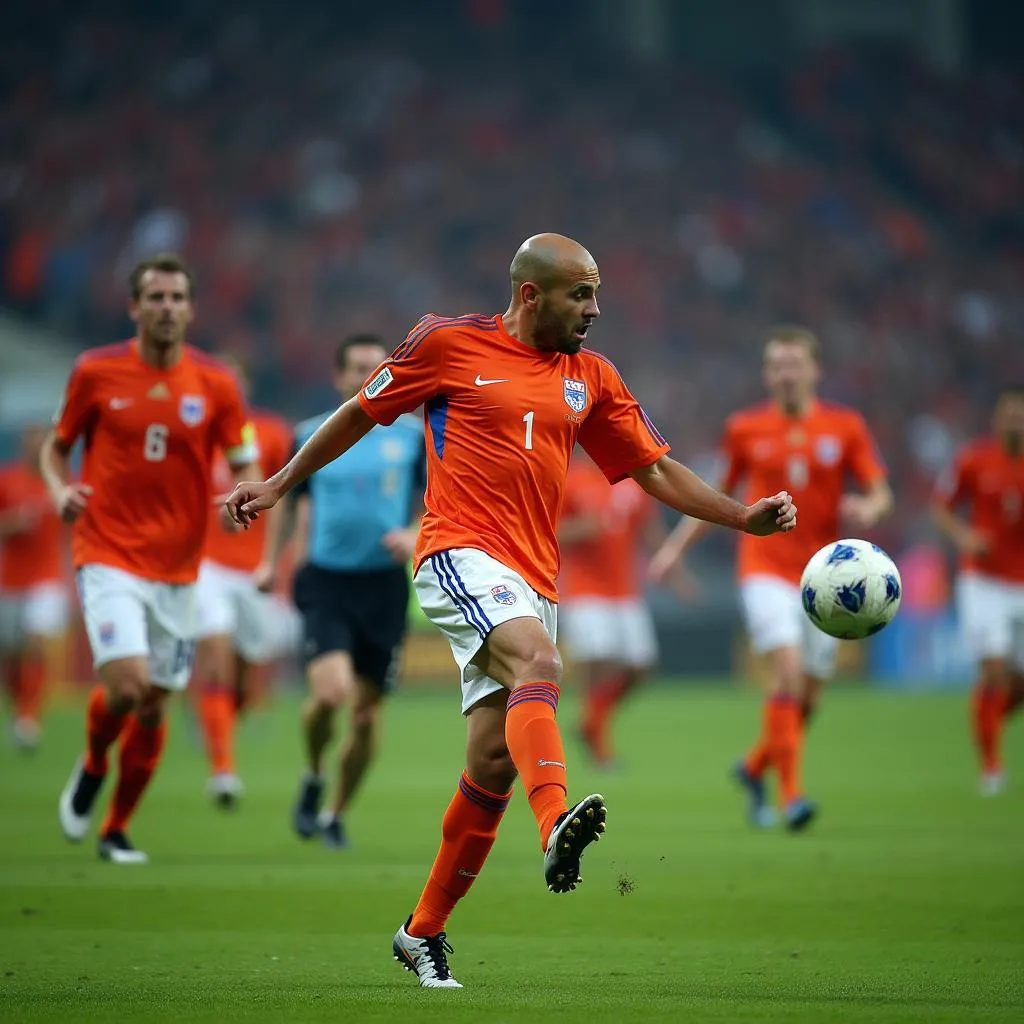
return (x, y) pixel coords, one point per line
(858, 511)
(248, 500)
(400, 544)
(227, 524)
(776, 514)
(972, 543)
(71, 501)
(264, 576)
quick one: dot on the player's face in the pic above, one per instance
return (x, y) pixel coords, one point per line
(360, 362)
(566, 310)
(790, 373)
(163, 309)
(1009, 419)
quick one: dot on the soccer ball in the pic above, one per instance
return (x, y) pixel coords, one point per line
(851, 589)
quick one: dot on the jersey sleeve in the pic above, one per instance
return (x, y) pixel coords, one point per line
(862, 457)
(618, 435)
(77, 409)
(410, 376)
(732, 458)
(955, 484)
(234, 433)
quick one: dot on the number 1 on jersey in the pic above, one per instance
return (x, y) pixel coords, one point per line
(528, 420)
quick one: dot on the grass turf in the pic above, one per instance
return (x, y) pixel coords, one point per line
(905, 903)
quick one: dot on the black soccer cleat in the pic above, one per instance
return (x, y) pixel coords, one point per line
(117, 848)
(307, 807)
(332, 829)
(77, 801)
(573, 833)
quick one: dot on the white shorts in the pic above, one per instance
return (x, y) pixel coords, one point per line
(991, 615)
(775, 618)
(262, 626)
(618, 630)
(40, 611)
(466, 593)
(130, 617)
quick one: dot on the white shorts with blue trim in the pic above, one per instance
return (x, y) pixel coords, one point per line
(466, 593)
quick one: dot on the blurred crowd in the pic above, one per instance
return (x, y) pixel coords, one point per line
(325, 178)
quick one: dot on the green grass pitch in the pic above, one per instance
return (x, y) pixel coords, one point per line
(905, 903)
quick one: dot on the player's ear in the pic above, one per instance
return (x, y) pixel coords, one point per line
(133, 310)
(529, 293)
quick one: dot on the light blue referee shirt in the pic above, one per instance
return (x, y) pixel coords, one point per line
(368, 492)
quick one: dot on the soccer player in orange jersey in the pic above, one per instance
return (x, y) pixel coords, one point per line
(607, 629)
(988, 478)
(33, 597)
(812, 448)
(152, 413)
(506, 399)
(242, 627)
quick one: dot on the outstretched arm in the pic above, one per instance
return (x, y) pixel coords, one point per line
(339, 432)
(680, 488)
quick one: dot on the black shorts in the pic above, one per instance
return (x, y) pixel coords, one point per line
(361, 613)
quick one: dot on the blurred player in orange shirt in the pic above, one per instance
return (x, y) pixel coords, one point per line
(988, 478)
(242, 626)
(33, 595)
(814, 449)
(152, 413)
(506, 398)
(606, 626)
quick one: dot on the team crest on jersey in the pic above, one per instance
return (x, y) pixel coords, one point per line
(503, 595)
(828, 450)
(107, 633)
(575, 392)
(192, 410)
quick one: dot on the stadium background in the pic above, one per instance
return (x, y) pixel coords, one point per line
(849, 164)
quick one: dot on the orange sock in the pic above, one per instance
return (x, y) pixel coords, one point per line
(535, 744)
(140, 754)
(102, 729)
(784, 733)
(217, 718)
(29, 686)
(599, 705)
(988, 706)
(468, 831)
(759, 759)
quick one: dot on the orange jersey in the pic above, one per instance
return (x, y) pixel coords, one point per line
(244, 550)
(811, 457)
(150, 439)
(604, 565)
(32, 555)
(991, 481)
(502, 420)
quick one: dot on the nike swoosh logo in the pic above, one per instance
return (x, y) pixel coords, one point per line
(481, 383)
(549, 764)
(120, 403)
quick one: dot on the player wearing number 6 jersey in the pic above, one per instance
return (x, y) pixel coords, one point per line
(152, 414)
(506, 398)
(812, 448)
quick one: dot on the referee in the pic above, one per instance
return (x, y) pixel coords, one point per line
(355, 526)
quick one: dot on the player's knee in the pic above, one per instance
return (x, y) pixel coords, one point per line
(490, 766)
(150, 710)
(126, 683)
(542, 665)
(365, 719)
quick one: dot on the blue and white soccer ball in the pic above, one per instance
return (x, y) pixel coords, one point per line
(851, 589)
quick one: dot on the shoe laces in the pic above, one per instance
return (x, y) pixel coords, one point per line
(437, 948)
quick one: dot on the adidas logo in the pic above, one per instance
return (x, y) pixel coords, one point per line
(159, 391)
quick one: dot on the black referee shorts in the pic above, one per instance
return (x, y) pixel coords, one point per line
(361, 613)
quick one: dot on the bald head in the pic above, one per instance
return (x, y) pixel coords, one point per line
(546, 260)
(554, 293)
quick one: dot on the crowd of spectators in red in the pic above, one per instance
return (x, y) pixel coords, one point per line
(323, 181)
